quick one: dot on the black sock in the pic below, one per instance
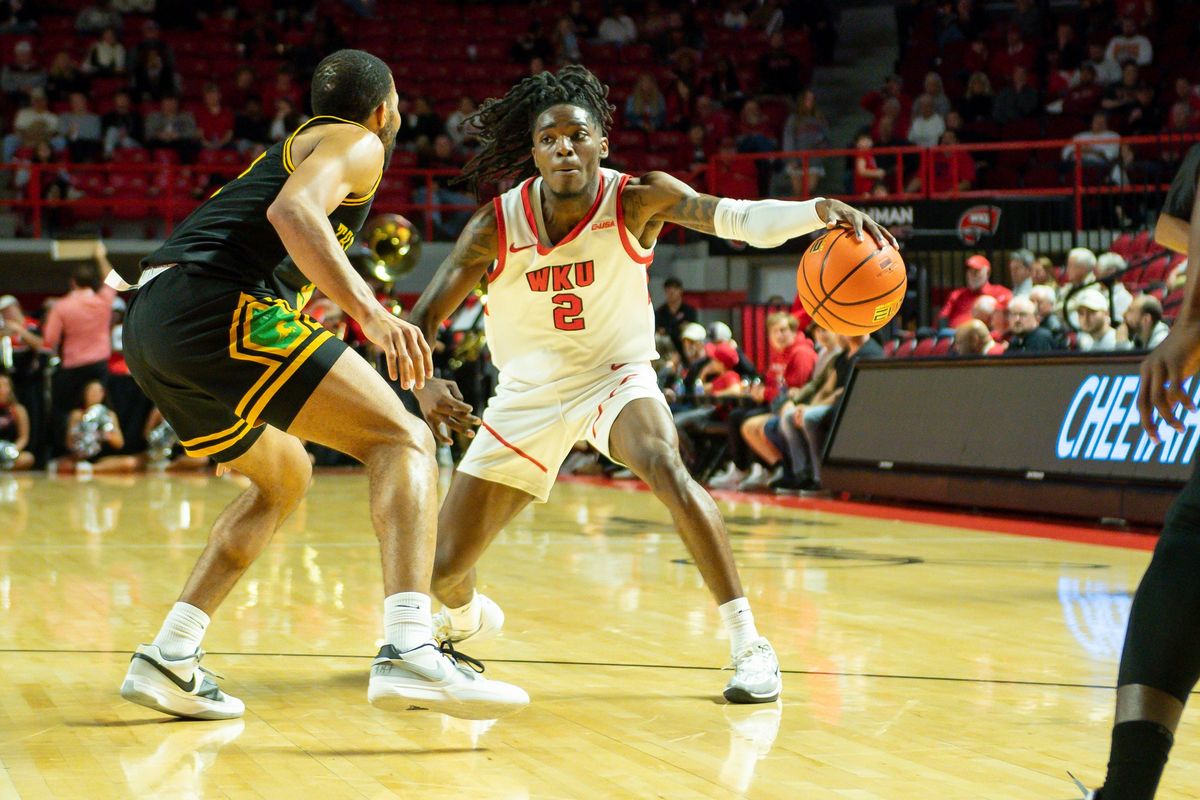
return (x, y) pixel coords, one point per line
(1136, 761)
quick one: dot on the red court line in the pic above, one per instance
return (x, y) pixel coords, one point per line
(1059, 531)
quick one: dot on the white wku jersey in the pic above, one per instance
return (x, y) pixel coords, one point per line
(554, 312)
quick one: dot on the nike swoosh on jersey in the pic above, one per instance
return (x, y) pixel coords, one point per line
(514, 249)
(188, 686)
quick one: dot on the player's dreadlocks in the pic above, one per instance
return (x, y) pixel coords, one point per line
(504, 123)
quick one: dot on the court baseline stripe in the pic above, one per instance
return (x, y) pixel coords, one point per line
(614, 664)
(1082, 534)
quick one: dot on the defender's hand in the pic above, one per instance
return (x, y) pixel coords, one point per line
(409, 359)
(1163, 373)
(839, 215)
(442, 403)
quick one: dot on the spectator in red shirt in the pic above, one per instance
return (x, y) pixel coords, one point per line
(867, 173)
(957, 309)
(790, 364)
(1083, 99)
(1014, 53)
(954, 170)
(214, 120)
(892, 88)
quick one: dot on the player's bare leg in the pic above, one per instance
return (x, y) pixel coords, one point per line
(354, 411)
(643, 438)
(475, 510)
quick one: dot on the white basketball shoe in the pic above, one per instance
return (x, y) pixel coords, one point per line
(756, 677)
(180, 687)
(491, 620)
(440, 679)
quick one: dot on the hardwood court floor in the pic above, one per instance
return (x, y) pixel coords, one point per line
(923, 660)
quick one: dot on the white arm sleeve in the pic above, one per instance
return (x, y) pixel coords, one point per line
(765, 223)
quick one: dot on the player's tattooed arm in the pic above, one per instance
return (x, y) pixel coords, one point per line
(475, 251)
(658, 197)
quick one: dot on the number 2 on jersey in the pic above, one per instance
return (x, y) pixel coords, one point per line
(568, 312)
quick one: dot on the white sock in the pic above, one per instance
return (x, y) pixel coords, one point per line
(181, 631)
(739, 621)
(465, 617)
(407, 620)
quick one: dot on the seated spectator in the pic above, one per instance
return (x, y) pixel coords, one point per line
(1098, 146)
(806, 429)
(14, 428)
(153, 80)
(936, 91)
(1020, 272)
(893, 88)
(443, 156)
(1080, 270)
(152, 42)
(1025, 334)
(461, 134)
(94, 438)
(790, 363)
(734, 18)
(105, 57)
(1016, 101)
(1108, 266)
(673, 315)
(251, 128)
(1015, 53)
(122, 126)
(427, 125)
(98, 16)
(79, 129)
(284, 87)
(245, 86)
(531, 43)
(806, 129)
(1043, 273)
(1083, 98)
(987, 310)
(978, 100)
(213, 120)
(961, 301)
(1027, 18)
(566, 42)
(704, 370)
(285, 121)
(63, 78)
(867, 173)
(1067, 46)
(646, 108)
(1119, 97)
(754, 131)
(617, 27)
(1181, 119)
(32, 125)
(1106, 71)
(779, 71)
(1129, 45)
(889, 124)
(927, 125)
(1143, 326)
(972, 338)
(22, 75)
(723, 84)
(1045, 300)
(173, 129)
(952, 171)
(1145, 117)
(1095, 321)
(681, 103)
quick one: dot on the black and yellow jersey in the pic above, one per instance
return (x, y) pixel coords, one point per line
(229, 235)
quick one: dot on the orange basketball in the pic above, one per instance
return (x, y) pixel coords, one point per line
(851, 287)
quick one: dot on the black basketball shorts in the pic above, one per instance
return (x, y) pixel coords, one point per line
(220, 359)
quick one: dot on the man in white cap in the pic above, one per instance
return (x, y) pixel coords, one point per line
(1095, 321)
(961, 301)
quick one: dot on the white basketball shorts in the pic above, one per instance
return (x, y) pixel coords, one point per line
(528, 430)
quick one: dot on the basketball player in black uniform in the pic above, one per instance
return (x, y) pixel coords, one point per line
(1160, 663)
(215, 338)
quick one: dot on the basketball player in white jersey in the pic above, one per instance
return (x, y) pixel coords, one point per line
(571, 328)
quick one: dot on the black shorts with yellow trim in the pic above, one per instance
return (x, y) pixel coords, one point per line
(221, 359)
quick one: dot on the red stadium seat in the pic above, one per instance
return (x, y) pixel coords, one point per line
(905, 350)
(889, 348)
(942, 348)
(924, 346)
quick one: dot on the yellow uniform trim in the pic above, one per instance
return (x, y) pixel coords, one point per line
(283, 377)
(217, 448)
(242, 175)
(210, 437)
(290, 166)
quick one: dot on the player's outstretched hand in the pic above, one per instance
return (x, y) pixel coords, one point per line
(442, 403)
(409, 359)
(839, 215)
(1163, 373)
